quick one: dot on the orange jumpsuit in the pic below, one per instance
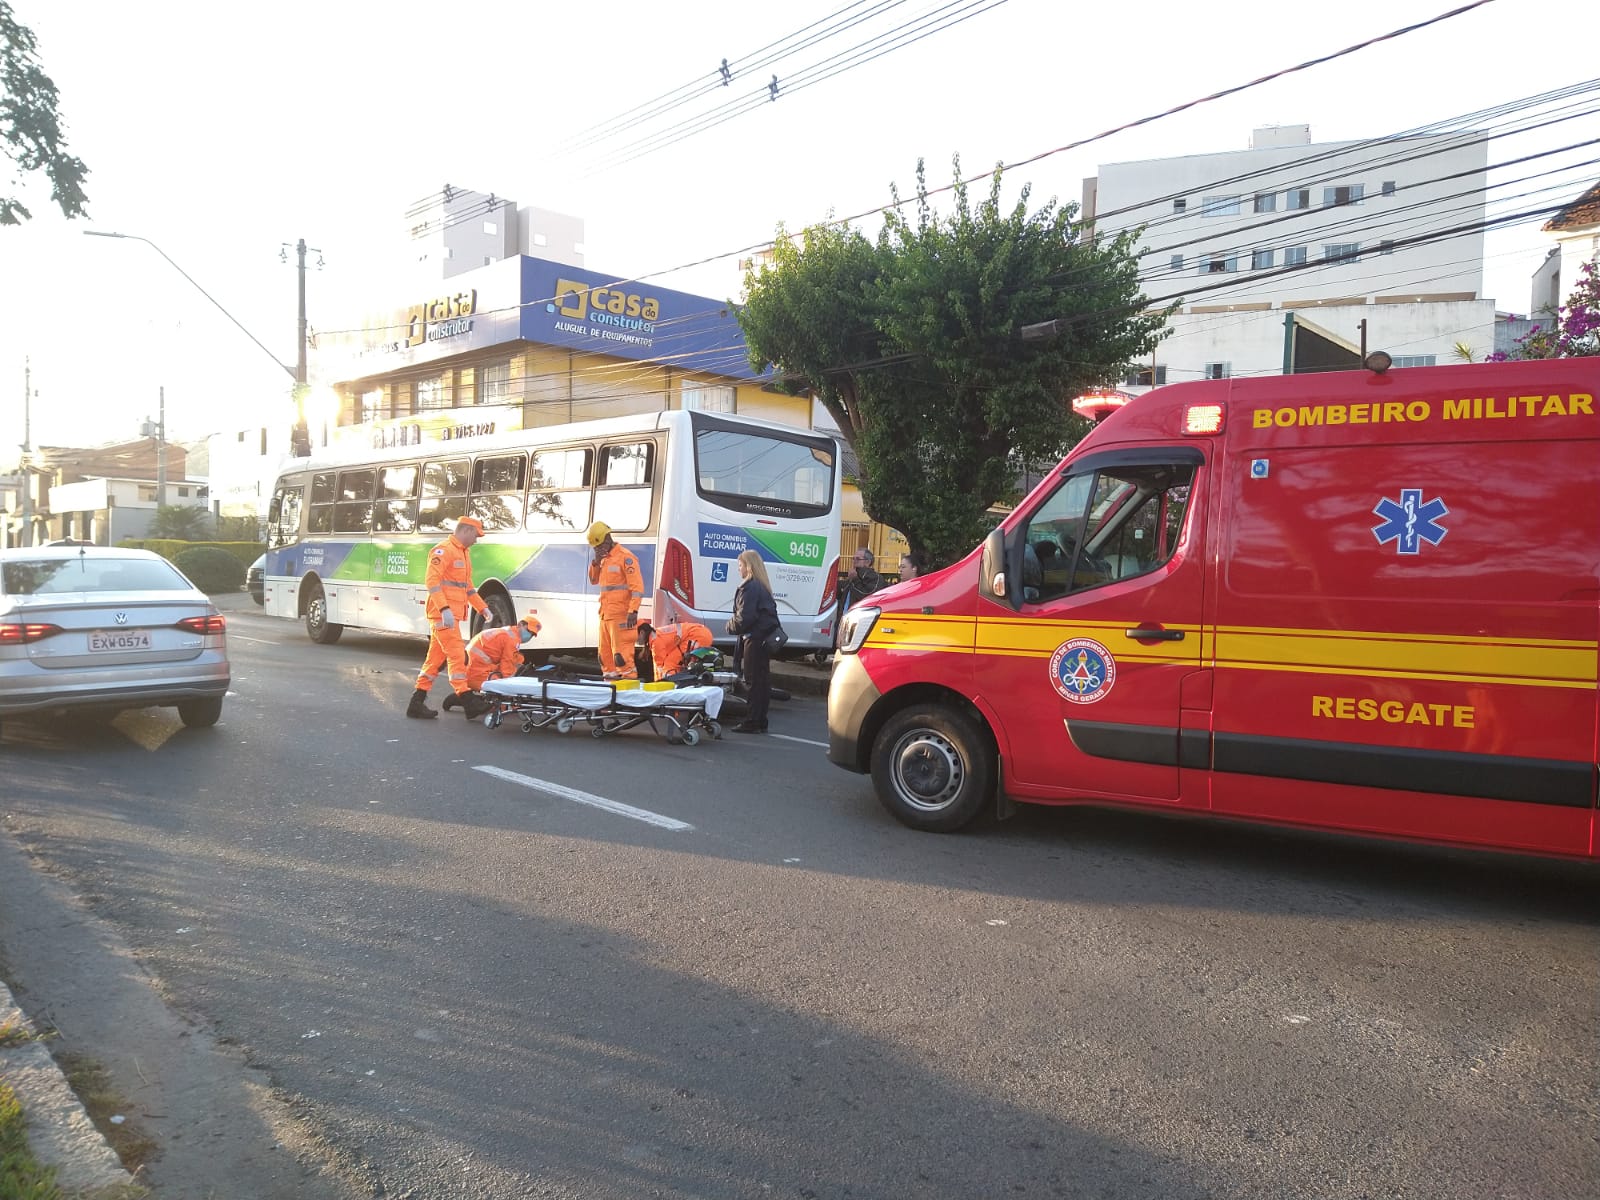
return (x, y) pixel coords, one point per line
(672, 642)
(449, 582)
(494, 654)
(621, 593)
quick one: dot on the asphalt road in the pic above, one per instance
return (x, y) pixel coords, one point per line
(468, 985)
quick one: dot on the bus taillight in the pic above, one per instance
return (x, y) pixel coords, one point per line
(830, 589)
(677, 572)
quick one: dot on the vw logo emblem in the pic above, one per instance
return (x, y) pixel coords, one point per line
(122, 618)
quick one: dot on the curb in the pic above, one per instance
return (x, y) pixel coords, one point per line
(59, 1130)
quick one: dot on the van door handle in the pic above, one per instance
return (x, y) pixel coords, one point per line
(1154, 635)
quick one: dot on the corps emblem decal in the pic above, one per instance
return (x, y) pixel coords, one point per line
(1082, 671)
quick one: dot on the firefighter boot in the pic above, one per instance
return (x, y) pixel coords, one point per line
(419, 705)
(451, 701)
(475, 705)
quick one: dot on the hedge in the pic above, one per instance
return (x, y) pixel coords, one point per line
(170, 548)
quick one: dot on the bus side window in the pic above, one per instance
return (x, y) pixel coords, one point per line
(396, 511)
(324, 491)
(444, 496)
(623, 492)
(283, 518)
(353, 512)
(558, 490)
(498, 482)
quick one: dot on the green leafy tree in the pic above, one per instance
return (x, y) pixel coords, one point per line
(31, 133)
(181, 523)
(912, 343)
(1573, 330)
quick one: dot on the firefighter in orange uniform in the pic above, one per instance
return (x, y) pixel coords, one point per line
(496, 653)
(450, 594)
(621, 592)
(670, 644)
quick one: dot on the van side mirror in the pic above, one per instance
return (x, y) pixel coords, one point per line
(993, 579)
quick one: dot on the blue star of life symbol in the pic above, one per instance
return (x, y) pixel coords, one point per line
(1409, 522)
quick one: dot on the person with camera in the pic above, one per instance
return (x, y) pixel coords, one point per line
(755, 623)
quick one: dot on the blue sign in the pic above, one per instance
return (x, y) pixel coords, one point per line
(722, 541)
(582, 310)
(719, 572)
(1408, 522)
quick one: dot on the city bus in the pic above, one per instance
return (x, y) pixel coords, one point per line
(349, 532)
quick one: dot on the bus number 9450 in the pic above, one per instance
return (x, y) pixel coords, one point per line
(804, 550)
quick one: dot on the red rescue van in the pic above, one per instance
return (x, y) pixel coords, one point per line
(1364, 601)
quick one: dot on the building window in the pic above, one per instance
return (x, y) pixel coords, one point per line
(539, 239)
(431, 393)
(147, 493)
(1294, 256)
(1260, 260)
(1219, 206)
(183, 493)
(1388, 187)
(490, 228)
(1341, 252)
(702, 397)
(263, 442)
(1180, 205)
(372, 405)
(1146, 377)
(1386, 247)
(1266, 202)
(1297, 198)
(494, 382)
(1216, 370)
(1219, 264)
(1415, 360)
(1176, 262)
(1350, 194)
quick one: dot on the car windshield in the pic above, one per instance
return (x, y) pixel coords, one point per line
(43, 577)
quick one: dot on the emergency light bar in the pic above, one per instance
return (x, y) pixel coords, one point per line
(1202, 418)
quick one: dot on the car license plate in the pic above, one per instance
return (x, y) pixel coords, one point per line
(132, 639)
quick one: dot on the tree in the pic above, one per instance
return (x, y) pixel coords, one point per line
(1574, 331)
(30, 125)
(912, 344)
(180, 522)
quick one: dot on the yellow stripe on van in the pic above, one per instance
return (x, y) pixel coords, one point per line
(1523, 662)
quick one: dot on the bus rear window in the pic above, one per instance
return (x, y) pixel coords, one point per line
(759, 472)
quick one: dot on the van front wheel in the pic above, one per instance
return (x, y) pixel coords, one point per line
(933, 768)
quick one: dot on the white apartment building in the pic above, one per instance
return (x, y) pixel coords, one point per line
(1295, 256)
(460, 230)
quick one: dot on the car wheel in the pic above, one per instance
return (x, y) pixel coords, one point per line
(198, 714)
(933, 768)
(318, 628)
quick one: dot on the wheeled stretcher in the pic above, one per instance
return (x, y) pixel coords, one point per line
(680, 714)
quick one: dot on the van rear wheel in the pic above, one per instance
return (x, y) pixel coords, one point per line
(933, 768)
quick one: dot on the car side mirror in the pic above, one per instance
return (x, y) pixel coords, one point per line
(993, 580)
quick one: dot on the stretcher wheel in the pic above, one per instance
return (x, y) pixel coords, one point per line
(691, 737)
(714, 728)
(564, 725)
(527, 725)
(491, 721)
(597, 731)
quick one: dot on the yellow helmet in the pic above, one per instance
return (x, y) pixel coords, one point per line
(598, 532)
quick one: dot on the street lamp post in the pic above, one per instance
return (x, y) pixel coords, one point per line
(297, 373)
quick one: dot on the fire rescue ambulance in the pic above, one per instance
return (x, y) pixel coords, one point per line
(1364, 601)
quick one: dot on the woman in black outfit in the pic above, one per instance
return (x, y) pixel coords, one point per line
(755, 619)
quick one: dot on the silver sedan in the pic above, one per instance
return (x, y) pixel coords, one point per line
(96, 627)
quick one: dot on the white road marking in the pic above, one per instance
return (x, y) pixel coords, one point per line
(235, 637)
(803, 741)
(593, 801)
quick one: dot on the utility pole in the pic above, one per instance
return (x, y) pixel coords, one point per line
(27, 451)
(161, 450)
(300, 437)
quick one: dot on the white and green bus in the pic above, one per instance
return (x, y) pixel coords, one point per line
(687, 492)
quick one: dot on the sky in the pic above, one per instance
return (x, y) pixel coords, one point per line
(220, 132)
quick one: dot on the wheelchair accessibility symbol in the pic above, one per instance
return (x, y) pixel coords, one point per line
(719, 572)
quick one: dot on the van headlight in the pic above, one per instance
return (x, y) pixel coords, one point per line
(854, 628)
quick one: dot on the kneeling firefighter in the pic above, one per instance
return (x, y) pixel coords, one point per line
(660, 653)
(616, 571)
(495, 653)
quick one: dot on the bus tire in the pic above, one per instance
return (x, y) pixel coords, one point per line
(500, 605)
(933, 768)
(318, 628)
